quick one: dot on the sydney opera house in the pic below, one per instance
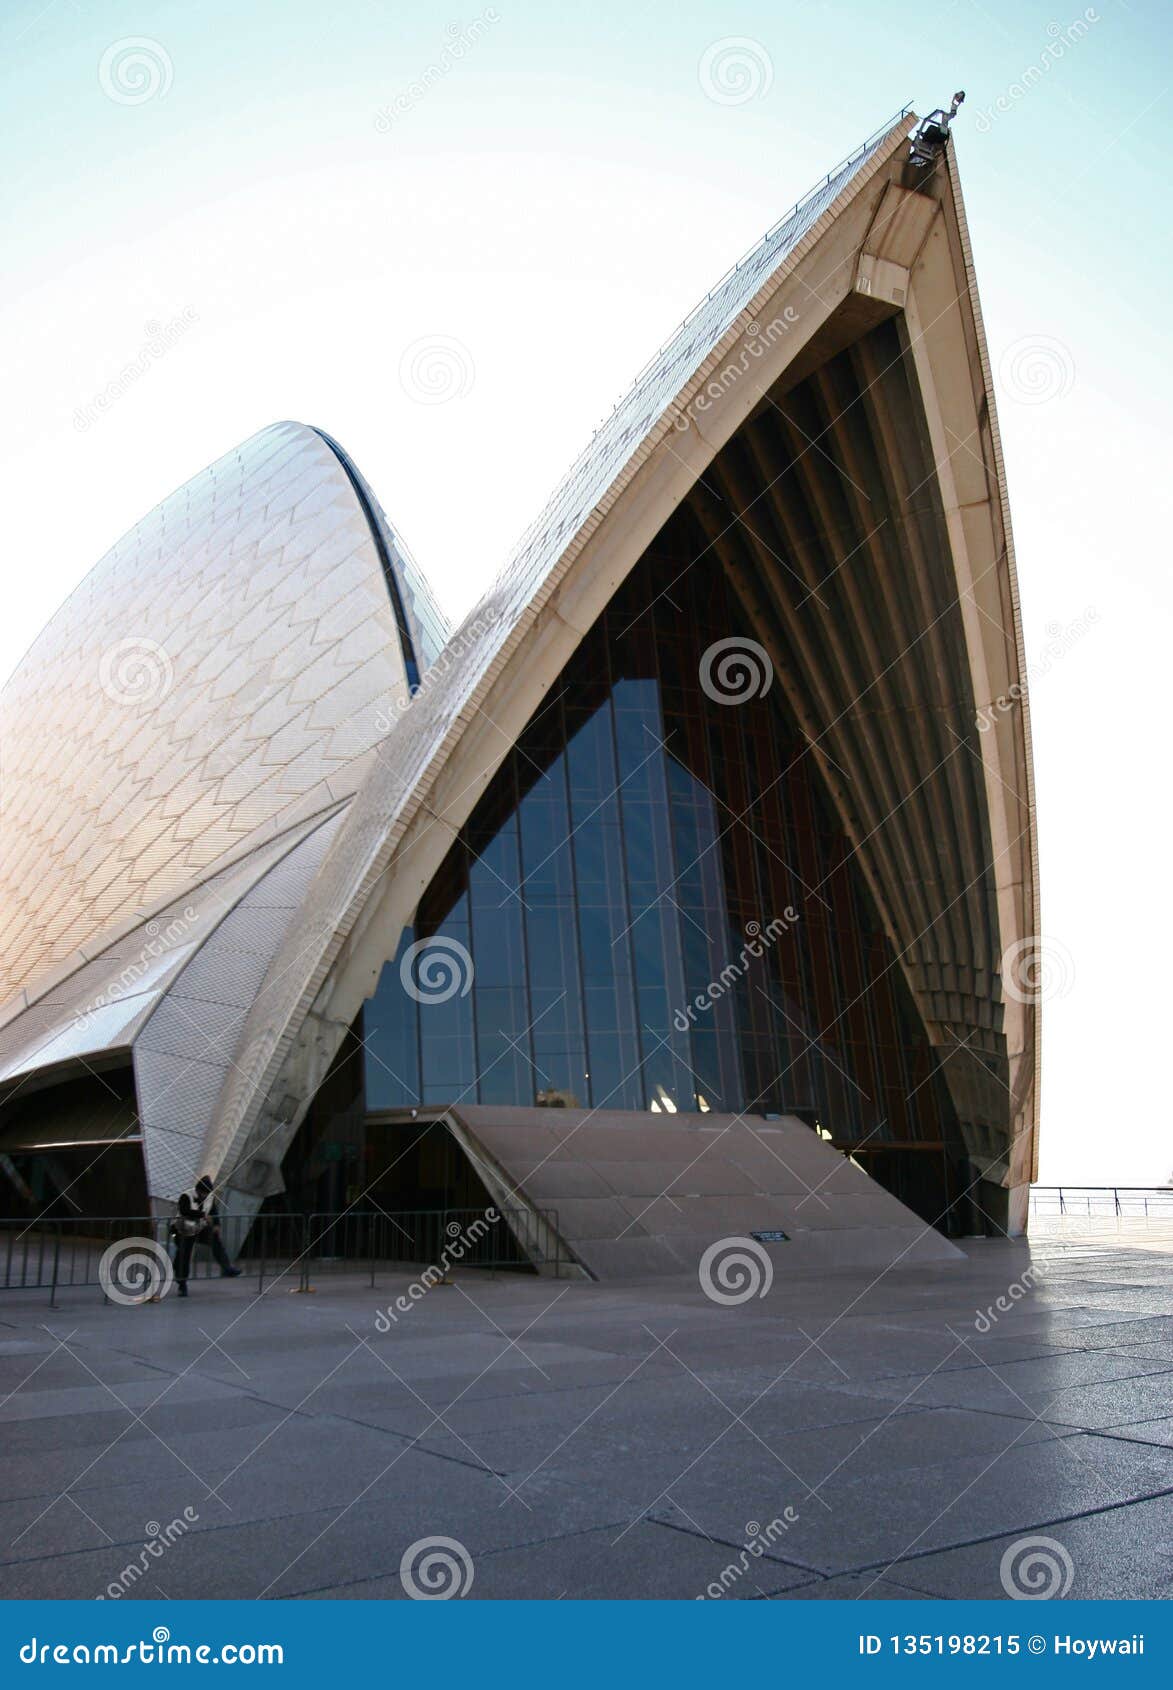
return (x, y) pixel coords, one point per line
(682, 891)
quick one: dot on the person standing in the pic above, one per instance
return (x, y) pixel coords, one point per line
(197, 1221)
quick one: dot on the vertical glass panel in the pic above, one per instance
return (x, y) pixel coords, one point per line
(391, 1039)
(622, 891)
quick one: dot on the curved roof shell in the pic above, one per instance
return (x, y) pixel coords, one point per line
(944, 833)
(220, 675)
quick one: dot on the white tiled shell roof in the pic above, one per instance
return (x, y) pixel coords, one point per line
(214, 680)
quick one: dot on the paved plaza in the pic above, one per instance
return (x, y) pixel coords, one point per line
(844, 1436)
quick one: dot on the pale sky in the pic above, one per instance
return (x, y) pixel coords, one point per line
(545, 211)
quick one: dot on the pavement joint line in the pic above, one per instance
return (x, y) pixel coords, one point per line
(61, 1344)
(907, 1321)
(661, 1343)
(853, 1304)
(512, 1342)
(258, 1520)
(89, 1517)
(1014, 1442)
(732, 1543)
(1119, 1434)
(223, 1352)
(284, 1421)
(821, 1350)
(996, 1537)
(451, 1430)
(412, 1439)
(482, 1555)
(368, 1487)
(679, 1506)
(739, 1420)
(879, 1426)
(137, 1419)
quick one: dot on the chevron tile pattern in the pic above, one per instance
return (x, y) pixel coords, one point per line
(216, 678)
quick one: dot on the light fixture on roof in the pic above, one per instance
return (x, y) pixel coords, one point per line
(929, 139)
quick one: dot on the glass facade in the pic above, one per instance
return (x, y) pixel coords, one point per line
(653, 907)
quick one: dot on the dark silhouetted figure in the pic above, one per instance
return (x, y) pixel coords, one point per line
(197, 1221)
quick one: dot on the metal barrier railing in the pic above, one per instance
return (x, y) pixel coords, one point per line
(492, 1238)
(1102, 1201)
(55, 1255)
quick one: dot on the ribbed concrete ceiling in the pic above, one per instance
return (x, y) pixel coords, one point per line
(824, 510)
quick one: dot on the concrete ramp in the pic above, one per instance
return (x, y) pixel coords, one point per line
(640, 1195)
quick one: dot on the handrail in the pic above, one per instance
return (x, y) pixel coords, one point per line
(751, 252)
(1124, 1202)
(67, 1253)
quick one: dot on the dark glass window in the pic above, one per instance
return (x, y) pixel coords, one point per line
(620, 895)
